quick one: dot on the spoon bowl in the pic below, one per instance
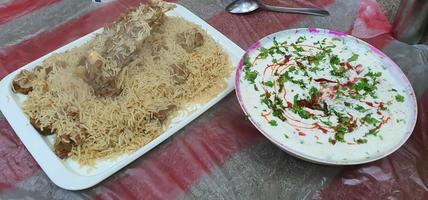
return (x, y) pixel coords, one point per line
(242, 6)
(247, 6)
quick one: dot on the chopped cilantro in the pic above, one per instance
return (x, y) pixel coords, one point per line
(373, 132)
(255, 87)
(275, 42)
(314, 69)
(360, 108)
(399, 98)
(374, 76)
(313, 91)
(265, 100)
(361, 141)
(247, 61)
(340, 72)
(264, 53)
(298, 109)
(328, 123)
(268, 83)
(297, 48)
(334, 60)
(300, 39)
(364, 85)
(368, 119)
(251, 76)
(295, 98)
(273, 123)
(340, 133)
(354, 57)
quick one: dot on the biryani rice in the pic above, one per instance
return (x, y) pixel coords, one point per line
(107, 127)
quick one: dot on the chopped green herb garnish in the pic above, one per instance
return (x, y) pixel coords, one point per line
(360, 108)
(314, 69)
(373, 132)
(273, 123)
(334, 60)
(399, 98)
(297, 48)
(368, 119)
(300, 39)
(255, 87)
(340, 72)
(313, 92)
(251, 76)
(361, 141)
(354, 57)
(264, 53)
(340, 133)
(268, 83)
(328, 123)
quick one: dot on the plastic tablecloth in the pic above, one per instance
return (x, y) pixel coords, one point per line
(220, 155)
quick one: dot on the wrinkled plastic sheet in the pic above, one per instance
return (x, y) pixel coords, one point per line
(220, 155)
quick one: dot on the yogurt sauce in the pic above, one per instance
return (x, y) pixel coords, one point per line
(350, 105)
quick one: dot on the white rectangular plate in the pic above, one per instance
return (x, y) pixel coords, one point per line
(67, 173)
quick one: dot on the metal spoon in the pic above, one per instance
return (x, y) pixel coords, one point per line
(246, 6)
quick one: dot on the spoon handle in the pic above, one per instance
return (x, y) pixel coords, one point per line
(308, 11)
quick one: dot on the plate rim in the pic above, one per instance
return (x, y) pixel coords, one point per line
(309, 158)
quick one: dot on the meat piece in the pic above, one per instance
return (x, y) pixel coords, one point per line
(180, 73)
(63, 146)
(163, 114)
(42, 130)
(189, 40)
(42, 72)
(106, 87)
(90, 70)
(22, 82)
(80, 136)
(73, 113)
(82, 61)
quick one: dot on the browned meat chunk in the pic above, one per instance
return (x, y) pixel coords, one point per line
(42, 72)
(73, 113)
(22, 82)
(180, 73)
(106, 88)
(63, 146)
(163, 114)
(80, 137)
(91, 73)
(190, 40)
(82, 61)
(42, 130)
